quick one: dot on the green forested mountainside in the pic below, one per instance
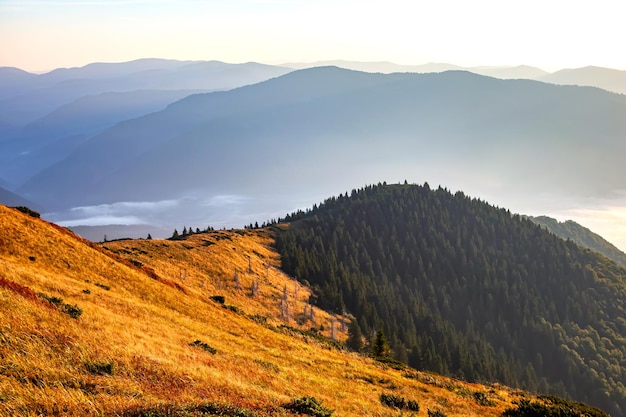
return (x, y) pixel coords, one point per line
(583, 236)
(467, 289)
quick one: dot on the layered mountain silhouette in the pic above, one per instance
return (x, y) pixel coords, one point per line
(504, 72)
(584, 237)
(44, 118)
(26, 97)
(51, 138)
(606, 78)
(321, 130)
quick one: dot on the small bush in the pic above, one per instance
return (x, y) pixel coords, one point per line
(310, 406)
(204, 346)
(481, 399)
(412, 405)
(171, 410)
(259, 318)
(100, 368)
(218, 299)
(71, 310)
(104, 287)
(394, 401)
(234, 309)
(436, 413)
(26, 210)
(52, 300)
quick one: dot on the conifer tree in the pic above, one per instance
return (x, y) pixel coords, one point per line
(380, 346)
(355, 337)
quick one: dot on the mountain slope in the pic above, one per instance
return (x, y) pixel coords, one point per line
(51, 138)
(85, 331)
(520, 71)
(11, 79)
(582, 236)
(605, 78)
(11, 199)
(475, 133)
(47, 116)
(43, 93)
(139, 145)
(463, 288)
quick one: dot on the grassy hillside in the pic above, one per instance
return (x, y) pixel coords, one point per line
(130, 329)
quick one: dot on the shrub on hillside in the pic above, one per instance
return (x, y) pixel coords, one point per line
(412, 405)
(204, 346)
(174, 409)
(481, 399)
(26, 210)
(103, 286)
(71, 310)
(100, 368)
(234, 309)
(218, 299)
(394, 401)
(400, 403)
(310, 406)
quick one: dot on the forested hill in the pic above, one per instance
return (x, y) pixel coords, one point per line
(463, 288)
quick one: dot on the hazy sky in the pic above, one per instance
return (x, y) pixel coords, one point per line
(39, 35)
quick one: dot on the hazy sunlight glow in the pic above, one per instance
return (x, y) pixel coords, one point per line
(39, 35)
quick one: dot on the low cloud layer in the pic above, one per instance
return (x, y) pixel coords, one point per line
(227, 210)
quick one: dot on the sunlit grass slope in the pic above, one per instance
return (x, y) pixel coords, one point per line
(91, 330)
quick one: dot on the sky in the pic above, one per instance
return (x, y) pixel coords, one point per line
(40, 35)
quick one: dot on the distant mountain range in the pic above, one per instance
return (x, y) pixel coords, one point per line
(318, 131)
(521, 71)
(43, 118)
(582, 236)
(104, 134)
(26, 97)
(605, 78)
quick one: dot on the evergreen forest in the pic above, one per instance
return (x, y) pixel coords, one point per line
(466, 289)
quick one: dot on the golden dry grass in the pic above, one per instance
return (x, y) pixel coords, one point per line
(143, 324)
